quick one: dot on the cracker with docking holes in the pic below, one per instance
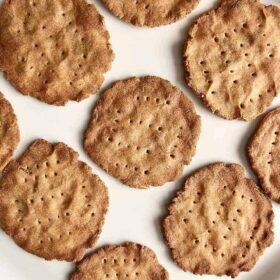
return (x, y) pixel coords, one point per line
(129, 261)
(54, 50)
(232, 58)
(50, 202)
(9, 131)
(263, 152)
(143, 131)
(150, 13)
(220, 223)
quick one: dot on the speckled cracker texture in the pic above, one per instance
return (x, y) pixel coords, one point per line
(220, 223)
(263, 152)
(129, 261)
(9, 131)
(54, 50)
(150, 13)
(50, 202)
(143, 131)
(232, 58)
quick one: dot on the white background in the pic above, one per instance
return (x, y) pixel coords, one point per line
(134, 215)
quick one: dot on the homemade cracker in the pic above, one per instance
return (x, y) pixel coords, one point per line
(232, 58)
(263, 152)
(219, 223)
(9, 132)
(151, 13)
(50, 202)
(54, 50)
(143, 131)
(130, 261)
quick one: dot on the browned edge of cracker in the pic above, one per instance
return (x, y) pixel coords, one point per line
(16, 135)
(250, 156)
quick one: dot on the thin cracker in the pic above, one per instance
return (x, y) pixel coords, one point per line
(50, 202)
(263, 152)
(128, 261)
(9, 131)
(150, 13)
(219, 223)
(232, 58)
(54, 50)
(143, 131)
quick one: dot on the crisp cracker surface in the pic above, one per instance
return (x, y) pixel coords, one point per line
(50, 202)
(232, 58)
(54, 50)
(220, 223)
(143, 131)
(9, 131)
(263, 152)
(151, 13)
(129, 261)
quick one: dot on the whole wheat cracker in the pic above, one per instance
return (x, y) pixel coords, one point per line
(9, 131)
(263, 153)
(232, 58)
(50, 202)
(54, 50)
(150, 13)
(220, 223)
(143, 131)
(128, 261)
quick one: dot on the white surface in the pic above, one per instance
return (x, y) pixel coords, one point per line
(134, 215)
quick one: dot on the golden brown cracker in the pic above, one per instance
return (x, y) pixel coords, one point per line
(232, 58)
(143, 131)
(220, 223)
(128, 261)
(54, 50)
(263, 152)
(50, 202)
(150, 13)
(9, 131)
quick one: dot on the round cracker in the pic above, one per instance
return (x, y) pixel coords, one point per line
(9, 132)
(150, 13)
(263, 152)
(143, 131)
(129, 261)
(54, 50)
(219, 223)
(234, 65)
(50, 202)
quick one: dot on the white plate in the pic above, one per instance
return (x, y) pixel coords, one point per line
(134, 215)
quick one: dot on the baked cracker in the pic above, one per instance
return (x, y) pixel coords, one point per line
(263, 152)
(9, 131)
(220, 223)
(143, 131)
(54, 50)
(232, 58)
(50, 202)
(150, 13)
(129, 261)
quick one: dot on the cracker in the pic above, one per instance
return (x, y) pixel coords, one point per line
(50, 202)
(129, 261)
(54, 50)
(143, 131)
(150, 13)
(219, 223)
(263, 152)
(9, 131)
(232, 58)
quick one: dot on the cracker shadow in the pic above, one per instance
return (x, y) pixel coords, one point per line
(271, 271)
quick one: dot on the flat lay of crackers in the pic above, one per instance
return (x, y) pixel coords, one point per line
(139, 139)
